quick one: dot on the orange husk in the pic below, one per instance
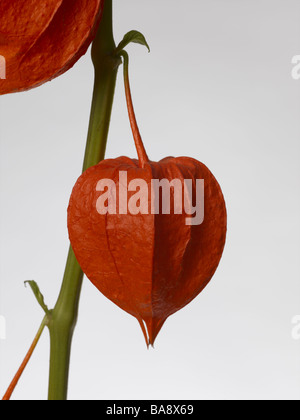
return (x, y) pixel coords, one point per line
(40, 40)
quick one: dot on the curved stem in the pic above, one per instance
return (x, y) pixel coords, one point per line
(16, 378)
(64, 315)
(143, 158)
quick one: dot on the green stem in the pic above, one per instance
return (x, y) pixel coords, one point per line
(64, 315)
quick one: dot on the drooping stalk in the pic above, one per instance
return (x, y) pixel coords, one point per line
(64, 315)
(142, 155)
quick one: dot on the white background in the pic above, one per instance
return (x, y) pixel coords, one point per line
(217, 86)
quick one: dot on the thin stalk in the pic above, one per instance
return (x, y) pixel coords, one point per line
(142, 155)
(16, 378)
(65, 312)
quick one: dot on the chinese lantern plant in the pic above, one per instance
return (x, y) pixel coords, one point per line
(150, 265)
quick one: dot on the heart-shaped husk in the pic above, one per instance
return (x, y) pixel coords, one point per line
(150, 265)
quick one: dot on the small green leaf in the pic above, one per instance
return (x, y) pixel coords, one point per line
(132, 36)
(38, 295)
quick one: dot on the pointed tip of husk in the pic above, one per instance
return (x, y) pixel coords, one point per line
(151, 328)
